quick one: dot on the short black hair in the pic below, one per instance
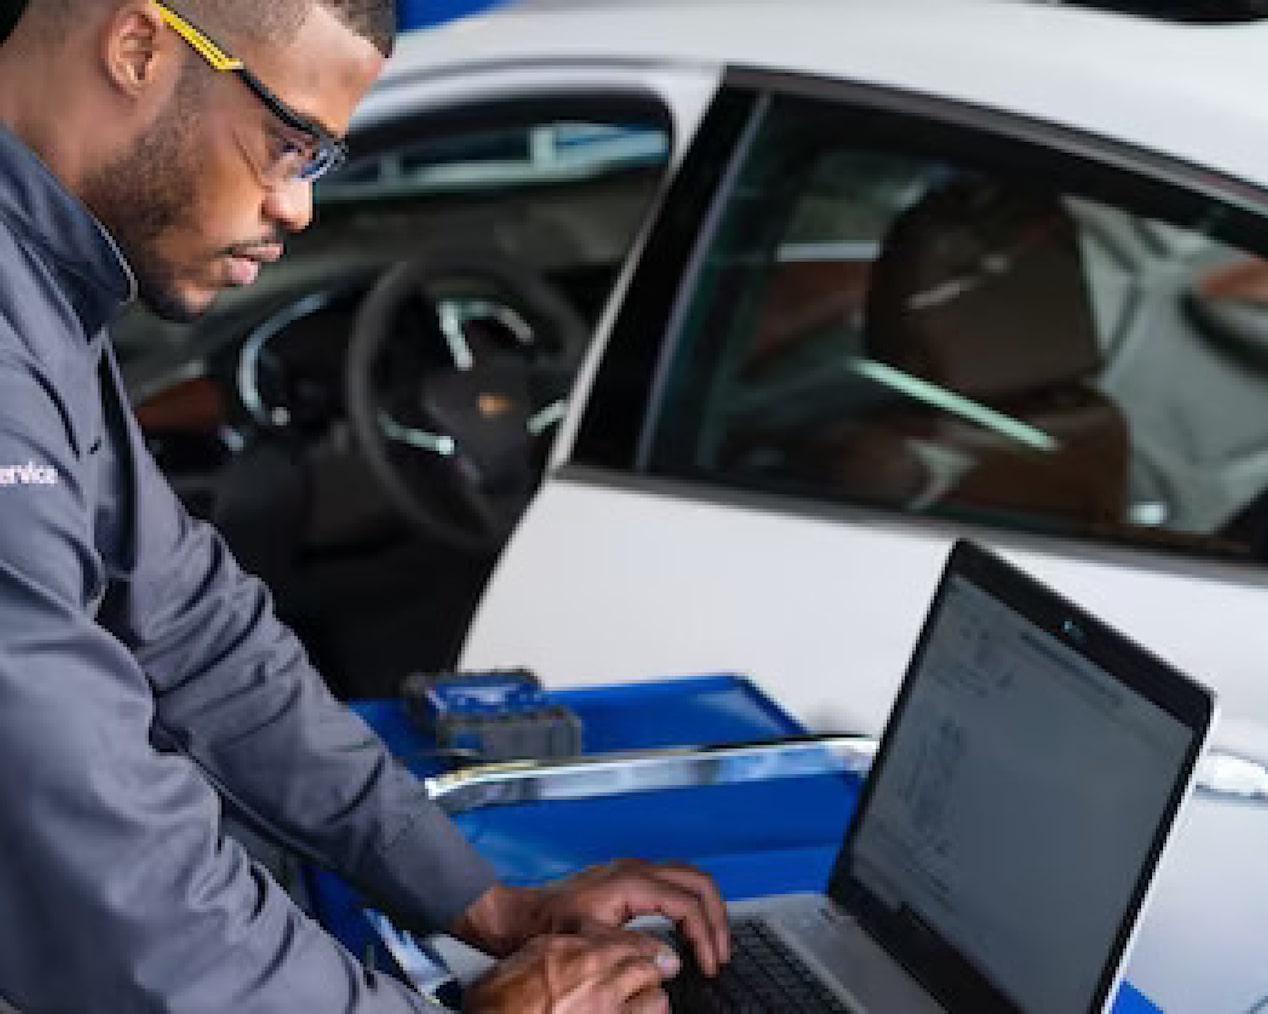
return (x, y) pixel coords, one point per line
(371, 19)
(265, 21)
(273, 21)
(10, 11)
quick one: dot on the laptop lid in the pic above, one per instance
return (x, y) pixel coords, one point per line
(1027, 780)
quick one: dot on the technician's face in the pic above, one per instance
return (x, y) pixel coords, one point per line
(216, 182)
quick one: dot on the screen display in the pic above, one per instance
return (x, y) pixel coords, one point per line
(1018, 801)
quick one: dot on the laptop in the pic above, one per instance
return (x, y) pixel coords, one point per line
(1007, 835)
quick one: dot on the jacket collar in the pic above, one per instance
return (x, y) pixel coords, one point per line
(85, 259)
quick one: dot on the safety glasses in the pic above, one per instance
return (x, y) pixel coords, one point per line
(308, 160)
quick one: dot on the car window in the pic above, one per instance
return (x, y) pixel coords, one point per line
(902, 320)
(539, 154)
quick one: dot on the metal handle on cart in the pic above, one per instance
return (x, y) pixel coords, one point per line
(610, 774)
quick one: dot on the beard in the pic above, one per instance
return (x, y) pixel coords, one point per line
(148, 193)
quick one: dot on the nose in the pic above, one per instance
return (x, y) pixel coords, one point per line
(290, 205)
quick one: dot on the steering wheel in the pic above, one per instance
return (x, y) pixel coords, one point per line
(458, 371)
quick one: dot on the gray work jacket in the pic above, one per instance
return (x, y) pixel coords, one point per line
(144, 680)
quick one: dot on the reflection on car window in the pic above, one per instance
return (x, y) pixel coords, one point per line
(883, 324)
(540, 154)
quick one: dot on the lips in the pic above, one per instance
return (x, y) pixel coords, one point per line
(245, 264)
(270, 253)
(243, 270)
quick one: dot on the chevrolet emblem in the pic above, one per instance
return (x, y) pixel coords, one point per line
(494, 406)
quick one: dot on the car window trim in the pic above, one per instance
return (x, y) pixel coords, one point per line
(638, 104)
(713, 221)
(1171, 170)
(627, 369)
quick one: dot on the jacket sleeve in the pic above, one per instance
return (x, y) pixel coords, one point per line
(236, 690)
(117, 892)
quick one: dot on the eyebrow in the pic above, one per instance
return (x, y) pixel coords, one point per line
(315, 125)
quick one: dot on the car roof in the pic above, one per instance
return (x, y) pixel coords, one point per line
(1190, 91)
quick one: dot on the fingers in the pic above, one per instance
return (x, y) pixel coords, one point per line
(615, 972)
(637, 975)
(614, 894)
(688, 897)
(712, 907)
(648, 949)
(652, 1001)
(623, 968)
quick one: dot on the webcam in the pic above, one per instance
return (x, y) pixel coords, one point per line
(1073, 631)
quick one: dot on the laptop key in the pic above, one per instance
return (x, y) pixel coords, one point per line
(763, 977)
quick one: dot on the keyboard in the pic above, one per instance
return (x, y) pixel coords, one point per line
(762, 976)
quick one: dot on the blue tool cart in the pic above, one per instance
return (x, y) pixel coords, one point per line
(706, 769)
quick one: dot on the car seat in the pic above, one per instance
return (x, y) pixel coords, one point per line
(980, 319)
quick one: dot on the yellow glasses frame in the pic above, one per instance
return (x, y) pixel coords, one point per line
(325, 153)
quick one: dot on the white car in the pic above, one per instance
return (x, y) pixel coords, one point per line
(863, 277)
(924, 269)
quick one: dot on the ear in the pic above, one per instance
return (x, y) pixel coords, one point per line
(137, 50)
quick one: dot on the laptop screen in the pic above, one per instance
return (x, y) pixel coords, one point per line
(1018, 802)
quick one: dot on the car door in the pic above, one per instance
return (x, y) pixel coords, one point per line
(765, 475)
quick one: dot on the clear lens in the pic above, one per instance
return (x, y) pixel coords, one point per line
(329, 155)
(305, 162)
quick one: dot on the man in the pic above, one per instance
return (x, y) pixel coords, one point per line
(144, 680)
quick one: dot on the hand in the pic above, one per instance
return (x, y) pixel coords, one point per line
(601, 899)
(615, 973)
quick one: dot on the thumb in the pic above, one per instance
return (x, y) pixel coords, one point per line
(654, 949)
(650, 1001)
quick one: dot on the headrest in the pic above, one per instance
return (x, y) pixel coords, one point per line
(980, 288)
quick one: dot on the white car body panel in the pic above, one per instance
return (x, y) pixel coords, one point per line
(1202, 942)
(1194, 93)
(685, 89)
(822, 612)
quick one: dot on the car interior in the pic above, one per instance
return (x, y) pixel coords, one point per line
(953, 275)
(366, 422)
(934, 336)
